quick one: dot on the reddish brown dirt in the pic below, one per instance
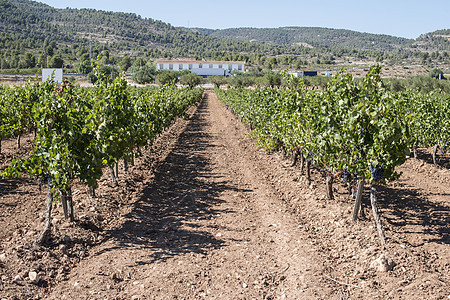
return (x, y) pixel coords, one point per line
(205, 214)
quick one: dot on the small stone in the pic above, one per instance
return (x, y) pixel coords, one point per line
(381, 264)
(3, 257)
(34, 277)
(117, 276)
(17, 278)
(76, 283)
(244, 285)
(63, 249)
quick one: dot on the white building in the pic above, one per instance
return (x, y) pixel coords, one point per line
(201, 67)
(52, 74)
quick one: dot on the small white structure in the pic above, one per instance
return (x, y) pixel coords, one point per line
(52, 74)
(201, 67)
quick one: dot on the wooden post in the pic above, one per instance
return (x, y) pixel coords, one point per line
(357, 206)
(125, 165)
(64, 204)
(376, 215)
(302, 163)
(70, 205)
(308, 172)
(18, 142)
(116, 168)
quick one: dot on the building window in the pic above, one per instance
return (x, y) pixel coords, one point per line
(190, 66)
(210, 66)
(240, 67)
(200, 66)
(220, 67)
(161, 66)
(180, 67)
(170, 66)
(230, 67)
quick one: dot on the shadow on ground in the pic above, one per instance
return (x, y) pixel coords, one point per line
(185, 189)
(442, 159)
(10, 186)
(407, 208)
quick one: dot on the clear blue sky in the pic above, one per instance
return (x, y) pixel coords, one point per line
(404, 18)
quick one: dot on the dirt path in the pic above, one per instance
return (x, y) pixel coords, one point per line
(207, 225)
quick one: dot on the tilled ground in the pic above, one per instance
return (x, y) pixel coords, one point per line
(205, 214)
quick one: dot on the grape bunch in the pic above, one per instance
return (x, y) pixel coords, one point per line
(377, 173)
(444, 148)
(362, 132)
(346, 176)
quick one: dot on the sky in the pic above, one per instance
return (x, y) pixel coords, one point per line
(402, 18)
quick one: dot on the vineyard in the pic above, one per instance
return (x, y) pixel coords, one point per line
(197, 210)
(79, 131)
(358, 131)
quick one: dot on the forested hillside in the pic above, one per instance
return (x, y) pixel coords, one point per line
(35, 35)
(315, 36)
(333, 38)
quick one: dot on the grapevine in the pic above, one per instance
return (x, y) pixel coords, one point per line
(79, 131)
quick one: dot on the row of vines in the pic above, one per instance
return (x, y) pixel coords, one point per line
(80, 131)
(353, 129)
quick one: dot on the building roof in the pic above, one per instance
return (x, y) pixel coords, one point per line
(161, 61)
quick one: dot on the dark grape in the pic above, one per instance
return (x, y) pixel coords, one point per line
(346, 176)
(444, 148)
(376, 172)
(362, 132)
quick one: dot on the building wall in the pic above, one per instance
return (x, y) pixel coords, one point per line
(178, 66)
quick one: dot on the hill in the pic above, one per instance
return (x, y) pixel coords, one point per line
(438, 40)
(33, 35)
(41, 30)
(314, 36)
(25, 19)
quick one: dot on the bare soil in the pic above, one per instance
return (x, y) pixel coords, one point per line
(205, 214)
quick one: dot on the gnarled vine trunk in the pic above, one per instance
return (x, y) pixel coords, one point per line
(330, 187)
(434, 153)
(113, 176)
(46, 231)
(308, 172)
